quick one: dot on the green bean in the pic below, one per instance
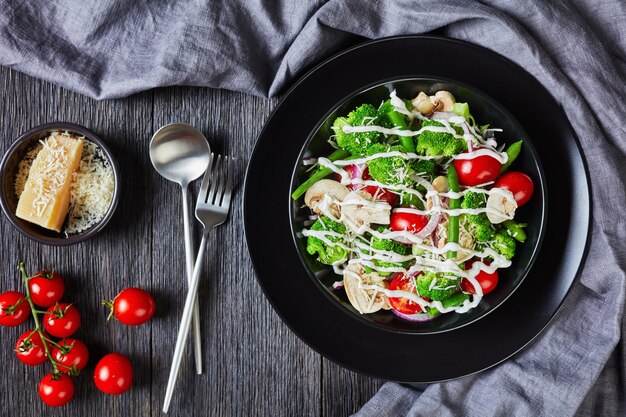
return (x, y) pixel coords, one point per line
(454, 300)
(516, 230)
(319, 174)
(513, 152)
(398, 122)
(455, 203)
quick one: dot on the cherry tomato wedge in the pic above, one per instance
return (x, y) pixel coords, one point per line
(381, 194)
(403, 305)
(477, 170)
(29, 349)
(113, 374)
(46, 288)
(487, 281)
(62, 321)
(520, 184)
(405, 220)
(77, 355)
(14, 309)
(56, 390)
(133, 306)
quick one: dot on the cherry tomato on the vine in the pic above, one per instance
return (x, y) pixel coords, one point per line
(133, 306)
(62, 320)
(518, 183)
(113, 374)
(487, 281)
(77, 356)
(46, 288)
(404, 220)
(56, 389)
(381, 194)
(403, 305)
(10, 314)
(29, 348)
(477, 170)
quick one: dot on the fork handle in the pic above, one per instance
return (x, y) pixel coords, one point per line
(185, 323)
(197, 340)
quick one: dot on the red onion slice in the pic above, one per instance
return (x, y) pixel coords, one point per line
(415, 318)
(434, 217)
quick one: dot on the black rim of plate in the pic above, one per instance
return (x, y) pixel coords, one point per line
(327, 327)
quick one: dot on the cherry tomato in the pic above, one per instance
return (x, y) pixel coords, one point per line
(113, 374)
(519, 184)
(133, 306)
(56, 390)
(411, 222)
(77, 356)
(487, 281)
(63, 321)
(46, 288)
(403, 305)
(31, 352)
(478, 170)
(9, 314)
(381, 194)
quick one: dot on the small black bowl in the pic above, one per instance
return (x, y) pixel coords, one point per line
(8, 169)
(485, 110)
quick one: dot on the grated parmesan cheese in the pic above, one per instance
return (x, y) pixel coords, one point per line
(91, 190)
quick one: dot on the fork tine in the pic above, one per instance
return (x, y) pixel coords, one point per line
(214, 180)
(219, 192)
(205, 181)
(229, 183)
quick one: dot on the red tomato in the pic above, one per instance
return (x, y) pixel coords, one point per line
(77, 356)
(46, 288)
(411, 222)
(478, 170)
(403, 305)
(30, 352)
(10, 315)
(488, 282)
(519, 184)
(62, 321)
(56, 390)
(113, 374)
(381, 194)
(133, 306)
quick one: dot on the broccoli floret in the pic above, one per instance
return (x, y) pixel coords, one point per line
(393, 170)
(504, 244)
(424, 166)
(438, 143)
(477, 224)
(443, 287)
(357, 143)
(327, 254)
(391, 246)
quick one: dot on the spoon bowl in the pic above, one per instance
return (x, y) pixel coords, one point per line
(179, 152)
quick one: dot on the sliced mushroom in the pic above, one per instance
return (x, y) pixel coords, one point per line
(365, 301)
(503, 203)
(444, 99)
(424, 104)
(327, 191)
(360, 209)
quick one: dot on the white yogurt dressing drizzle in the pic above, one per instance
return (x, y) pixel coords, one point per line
(431, 258)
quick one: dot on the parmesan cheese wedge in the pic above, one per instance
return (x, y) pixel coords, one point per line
(46, 196)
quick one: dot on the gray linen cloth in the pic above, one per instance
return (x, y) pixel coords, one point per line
(577, 49)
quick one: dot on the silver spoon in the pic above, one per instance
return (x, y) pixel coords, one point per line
(181, 154)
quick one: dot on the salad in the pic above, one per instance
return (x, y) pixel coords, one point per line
(415, 209)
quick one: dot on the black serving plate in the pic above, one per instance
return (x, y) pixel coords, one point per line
(485, 110)
(378, 349)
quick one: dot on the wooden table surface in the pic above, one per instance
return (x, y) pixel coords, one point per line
(254, 365)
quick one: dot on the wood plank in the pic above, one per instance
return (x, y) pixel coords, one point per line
(345, 392)
(254, 364)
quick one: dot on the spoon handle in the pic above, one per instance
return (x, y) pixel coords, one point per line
(185, 322)
(195, 324)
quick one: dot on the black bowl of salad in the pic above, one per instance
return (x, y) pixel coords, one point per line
(418, 205)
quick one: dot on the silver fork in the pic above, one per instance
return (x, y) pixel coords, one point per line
(211, 210)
